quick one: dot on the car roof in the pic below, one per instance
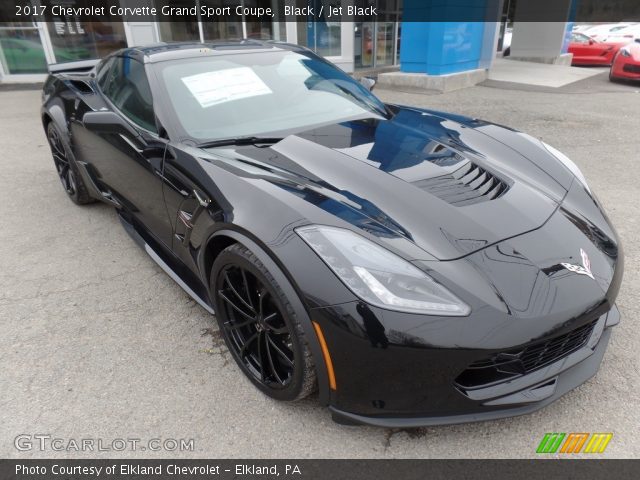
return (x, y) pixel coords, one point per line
(165, 51)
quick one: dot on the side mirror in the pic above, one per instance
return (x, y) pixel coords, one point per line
(638, 40)
(591, 42)
(368, 83)
(107, 122)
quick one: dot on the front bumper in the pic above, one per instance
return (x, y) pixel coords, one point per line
(400, 369)
(524, 395)
(626, 69)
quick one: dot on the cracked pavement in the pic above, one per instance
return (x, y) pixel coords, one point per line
(97, 342)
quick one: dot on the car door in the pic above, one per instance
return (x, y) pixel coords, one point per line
(128, 159)
(585, 49)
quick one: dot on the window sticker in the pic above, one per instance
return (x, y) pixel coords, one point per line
(213, 88)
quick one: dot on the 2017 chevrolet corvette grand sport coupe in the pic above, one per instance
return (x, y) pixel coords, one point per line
(414, 267)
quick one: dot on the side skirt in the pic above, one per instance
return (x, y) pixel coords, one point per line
(131, 230)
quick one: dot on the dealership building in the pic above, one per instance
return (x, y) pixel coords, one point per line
(412, 53)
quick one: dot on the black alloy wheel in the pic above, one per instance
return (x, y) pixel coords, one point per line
(66, 169)
(258, 326)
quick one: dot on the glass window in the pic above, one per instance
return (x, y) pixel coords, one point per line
(21, 49)
(261, 94)
(321, 34)
(74, 40)
(230, 29)
(270, 29)
(385, 43)
(579, 38)
(363, 46)
(103, 73)
(178, 29)
(377, 43)
(125, 84)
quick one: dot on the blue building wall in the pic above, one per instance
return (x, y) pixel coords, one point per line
(439, 48)
(572, 17)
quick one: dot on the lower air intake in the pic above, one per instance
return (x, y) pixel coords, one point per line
(502, 366)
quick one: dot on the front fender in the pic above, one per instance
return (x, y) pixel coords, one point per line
(293, 297)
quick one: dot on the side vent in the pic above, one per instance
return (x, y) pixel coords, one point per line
(81, 86)
(466, 185)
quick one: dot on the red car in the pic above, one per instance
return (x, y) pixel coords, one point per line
(626, 63)
(587, 51)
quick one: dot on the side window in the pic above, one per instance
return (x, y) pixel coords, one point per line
(579, 38)
(126, 85)
(103, 73)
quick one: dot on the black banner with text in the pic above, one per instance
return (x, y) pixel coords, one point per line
(12, 11)
(577, 469)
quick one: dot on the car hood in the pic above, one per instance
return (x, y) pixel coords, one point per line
(445, 184)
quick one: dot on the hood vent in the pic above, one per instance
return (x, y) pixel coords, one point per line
(466, 185)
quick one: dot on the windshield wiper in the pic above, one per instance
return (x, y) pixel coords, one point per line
(240, 141)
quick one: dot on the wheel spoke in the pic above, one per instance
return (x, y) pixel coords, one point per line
(248, 342)
(279, 351)
(270, 316)
(261, 337)
(64, 177)
(60, 159)
(245, 284)
(276, 330)
(272, 365)
(260, 303)
(233, 289)
(56, 145)
(261, 295)
(72, 181)
(256, 327)
(233, 305)
(233, 325)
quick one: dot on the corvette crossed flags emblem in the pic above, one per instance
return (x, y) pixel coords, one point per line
(584, 269)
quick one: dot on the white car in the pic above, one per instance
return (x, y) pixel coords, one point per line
(581, 28)
(603, 31)
(506, 42)
(630, 33)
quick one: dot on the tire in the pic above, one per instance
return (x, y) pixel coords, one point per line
(611, 77)
(66, 168)
(507, 52)
(258, 322)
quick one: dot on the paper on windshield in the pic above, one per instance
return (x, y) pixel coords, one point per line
(213, 88)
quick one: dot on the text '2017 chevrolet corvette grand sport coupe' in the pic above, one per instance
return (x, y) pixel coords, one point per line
(414, 267)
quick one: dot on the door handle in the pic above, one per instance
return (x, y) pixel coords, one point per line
(202, 200)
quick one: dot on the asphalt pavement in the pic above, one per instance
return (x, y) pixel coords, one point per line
(98, 343)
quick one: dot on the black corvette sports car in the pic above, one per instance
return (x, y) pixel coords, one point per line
(415, 267)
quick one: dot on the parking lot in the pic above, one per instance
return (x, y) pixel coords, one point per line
(99, 343)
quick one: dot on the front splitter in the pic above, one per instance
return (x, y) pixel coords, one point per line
(565, 382)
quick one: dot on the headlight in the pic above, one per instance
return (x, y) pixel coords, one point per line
(378, 276)
(567, 162)
(625, 52)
